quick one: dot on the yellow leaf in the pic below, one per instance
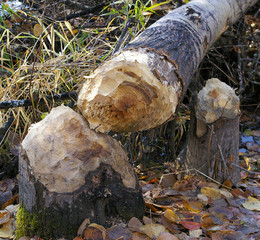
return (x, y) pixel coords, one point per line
(211, 192)
(37, 30)
(247, 163)
(252, 204)
(152, 230)
(172, 216)
(6, 230)
(69, 27)
(193, 206)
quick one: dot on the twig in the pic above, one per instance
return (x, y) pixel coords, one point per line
(119, 42)
(203, 174)
(5, 127)
(28, 102)
(250, 172)
(84, 12)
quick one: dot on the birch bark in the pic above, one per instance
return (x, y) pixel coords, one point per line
(140, 87)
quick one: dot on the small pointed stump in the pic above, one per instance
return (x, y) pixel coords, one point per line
(69, 173)
(213, 142)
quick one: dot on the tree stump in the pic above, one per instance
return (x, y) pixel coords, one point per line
(69, 173)
(213, 141)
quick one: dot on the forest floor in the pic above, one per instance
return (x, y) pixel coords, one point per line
(47, 46)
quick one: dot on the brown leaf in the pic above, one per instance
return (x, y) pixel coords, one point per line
(95, 232)
(10, 202)
(190, 225)
(8, 24)
(166, 236)
(147, 220)
(167, 180)
(134, 224)
(168, 225)
(228, 234)
(228, 183)
(151, 206)
(16, 19)
(213, 193)
(152, 230)
(140, 236)
(207, 221)
(83, 226)
(76, 238)
(238, 193)
(118, 232)
(4, 217)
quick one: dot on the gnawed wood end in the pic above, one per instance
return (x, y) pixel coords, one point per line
(125, 95)
(216, 100)
(62, 150)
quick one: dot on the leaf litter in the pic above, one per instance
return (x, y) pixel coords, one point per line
(177, 207)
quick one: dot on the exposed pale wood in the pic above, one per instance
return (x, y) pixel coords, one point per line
(70, 173)
(140, 87)
(213, 141)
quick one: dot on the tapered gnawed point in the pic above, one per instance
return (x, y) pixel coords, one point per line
(63, 143)
(68, 172)
(125, 95)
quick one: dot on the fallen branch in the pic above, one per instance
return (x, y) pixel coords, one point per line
(28, 102)
(140, 87)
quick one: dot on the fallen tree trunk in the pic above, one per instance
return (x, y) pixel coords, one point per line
(213, 140)
(140, 87)
(68, 173)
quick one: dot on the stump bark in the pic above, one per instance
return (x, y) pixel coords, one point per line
(140, 87)
(213, 141)
(69, 173)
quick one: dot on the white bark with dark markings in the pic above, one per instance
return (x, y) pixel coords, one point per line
(140, 87)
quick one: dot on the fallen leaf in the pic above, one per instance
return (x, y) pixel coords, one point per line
(147, 220)
(190, 225)
(118, 232)
(28, 238)
(6, 230)
(170, 215)
(252, 204)
(16, 19)
(247, 161)
(76, 238)
(152, 230)
(134, 224)
(8, 24)
(151, 206)
(83, 226)
(228, 234)
(204, 199)
(140, 236)
(228, 183)
(167, 180)
(10, 202)
(195, 233)
(166, 236)
(4, 217)
(171, 227)
(207, 221)
(226, 193)
(37, 30)
(213, 193)
(193, 206)
(238, 193)
(95, 231)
